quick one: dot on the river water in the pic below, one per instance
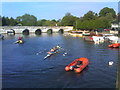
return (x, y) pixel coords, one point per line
(24, 65)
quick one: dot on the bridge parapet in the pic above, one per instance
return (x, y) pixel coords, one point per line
(20, 29)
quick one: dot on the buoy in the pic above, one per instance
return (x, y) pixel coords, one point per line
(37, 53)
(110, 63)
(63, 54)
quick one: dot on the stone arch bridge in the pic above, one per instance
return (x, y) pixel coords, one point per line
(34, 29)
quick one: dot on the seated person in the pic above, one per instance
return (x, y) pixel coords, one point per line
(49, 52)
(52, 50)
(57, 46)
(79, 63)
(19, 38)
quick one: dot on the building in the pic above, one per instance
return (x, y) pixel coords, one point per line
(115, 27)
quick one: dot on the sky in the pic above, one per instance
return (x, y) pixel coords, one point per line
(52, 10)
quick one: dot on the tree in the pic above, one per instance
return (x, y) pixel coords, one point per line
(41, 22)
(90, 15)
(118, 17)
(0, 21)
(12, 22)
(68, 20)
(7, 21)
(3, 21)
(27, 20)
(105, 11)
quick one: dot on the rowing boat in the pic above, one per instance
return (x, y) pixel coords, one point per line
(48, 55)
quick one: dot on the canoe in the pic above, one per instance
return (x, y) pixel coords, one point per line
(84, 64)
(19, 42)
(115, 45)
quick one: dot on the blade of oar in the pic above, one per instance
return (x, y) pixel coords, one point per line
(41, 52)
(46, 56)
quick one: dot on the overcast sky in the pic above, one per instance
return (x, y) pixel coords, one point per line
(53, 10)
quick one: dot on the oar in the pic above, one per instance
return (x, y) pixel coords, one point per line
(46, 56)
(41, 52)
(65, 53)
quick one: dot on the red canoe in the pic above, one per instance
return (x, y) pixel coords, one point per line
(84, 63)
(115, 45)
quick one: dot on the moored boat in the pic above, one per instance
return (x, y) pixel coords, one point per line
(77, 65)
(79, 33)
(88, 38)
(115, 45)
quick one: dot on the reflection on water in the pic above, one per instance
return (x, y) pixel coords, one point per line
(23, 67)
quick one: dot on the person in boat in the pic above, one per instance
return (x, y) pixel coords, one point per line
(79, 63)
(58, 47)
(53, 49)
(19, 38)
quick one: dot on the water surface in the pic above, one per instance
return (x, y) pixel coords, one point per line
(24, 65)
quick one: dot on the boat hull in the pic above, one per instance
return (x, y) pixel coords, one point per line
(85, 63)
(19, 42)
(115, 45)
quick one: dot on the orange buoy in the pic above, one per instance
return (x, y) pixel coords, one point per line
(77, 67)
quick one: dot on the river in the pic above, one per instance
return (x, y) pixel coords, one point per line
(23, 66)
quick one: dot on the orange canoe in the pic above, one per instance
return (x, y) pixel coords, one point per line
(84, 63)
(115, 45)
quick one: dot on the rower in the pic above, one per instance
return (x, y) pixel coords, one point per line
(19, 38)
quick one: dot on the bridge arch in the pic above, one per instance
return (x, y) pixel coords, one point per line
(49, 31)
(61, 31)
(26, 32)
(11, 32)
(38, 32)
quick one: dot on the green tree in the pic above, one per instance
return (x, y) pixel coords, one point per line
(105, 11)
(68, 20)
(41, 22)
(3, 21)
(0, 21)
(12, 22)
(7, 21)
(90, 15)
(27, 20)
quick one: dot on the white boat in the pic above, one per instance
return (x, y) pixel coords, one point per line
(110, 63)
(98, 39)
(113, 39)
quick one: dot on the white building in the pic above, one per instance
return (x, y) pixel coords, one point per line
(115, 25)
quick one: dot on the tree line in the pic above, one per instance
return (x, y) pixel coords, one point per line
(90, 20)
